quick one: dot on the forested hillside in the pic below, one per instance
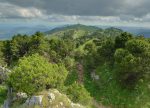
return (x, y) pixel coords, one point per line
(93, 67)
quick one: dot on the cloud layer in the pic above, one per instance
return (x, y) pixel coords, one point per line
(126, 11)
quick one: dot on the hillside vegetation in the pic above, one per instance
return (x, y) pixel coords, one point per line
(93, 67)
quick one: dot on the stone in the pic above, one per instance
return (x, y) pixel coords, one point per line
(49, 99)
(61, 103)
(94, 76)
(56, 91)
(34, 100)
(21, 95)
(73, 105)
(6, 104)
(51, 96)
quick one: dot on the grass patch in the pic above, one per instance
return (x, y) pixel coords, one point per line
(3, 94)
(108, 91)
(71, 78)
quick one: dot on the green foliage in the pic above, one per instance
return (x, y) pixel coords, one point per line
(78, 94)
(69, 62)
(125, 60)
(22, 45)
(132, 62)
(72, 77)
(72, 31)
(112, 32)
(122, 39)
(2, 59)
(121, 61)
(19, 45)
(110, 91)
(120, 54)
(60, 49)
(39, 44)
(138, 47)
(35, 73)
(3, 94)
(107, 49)
(90, 55)
(91, 85)
(119, 84)
(79, 54)
(90, 47)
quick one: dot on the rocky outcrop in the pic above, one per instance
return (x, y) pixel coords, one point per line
(34, 100)
(21, 95)
(3, 73)
(51, 97)
(48, 99)
(6, 104)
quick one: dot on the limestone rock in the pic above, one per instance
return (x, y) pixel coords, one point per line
(21, 95)
(51, 96)
(34, 100)
(48, 99)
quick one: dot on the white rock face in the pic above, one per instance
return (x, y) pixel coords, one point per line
(49, 99)
(61, 103)
(21, 95)
(6, 104)
(51, 96)
(34, 100)
(73, 105)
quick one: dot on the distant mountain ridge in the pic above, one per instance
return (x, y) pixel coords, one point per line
(7, 31)
(78, 31)
(69, 27)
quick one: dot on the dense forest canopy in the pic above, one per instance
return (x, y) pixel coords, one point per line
(109, 66)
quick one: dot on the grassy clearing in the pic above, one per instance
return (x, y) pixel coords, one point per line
(108, 92)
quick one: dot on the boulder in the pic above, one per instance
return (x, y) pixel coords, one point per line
(48, 99)
(34, 100)
(21, 95)
(73, 105)
(51, 96)
(94, 76)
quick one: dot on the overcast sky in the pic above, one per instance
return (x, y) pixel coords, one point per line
(101, 12)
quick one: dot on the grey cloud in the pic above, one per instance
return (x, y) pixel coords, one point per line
(8, 10)
(87, 7)
(77, 10)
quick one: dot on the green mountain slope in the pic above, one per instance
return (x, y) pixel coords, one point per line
(76, 26)
(72, 31)
(82, 31)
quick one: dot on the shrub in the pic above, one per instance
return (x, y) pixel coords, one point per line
(35, 73)
(3, 94)
(78, 94)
